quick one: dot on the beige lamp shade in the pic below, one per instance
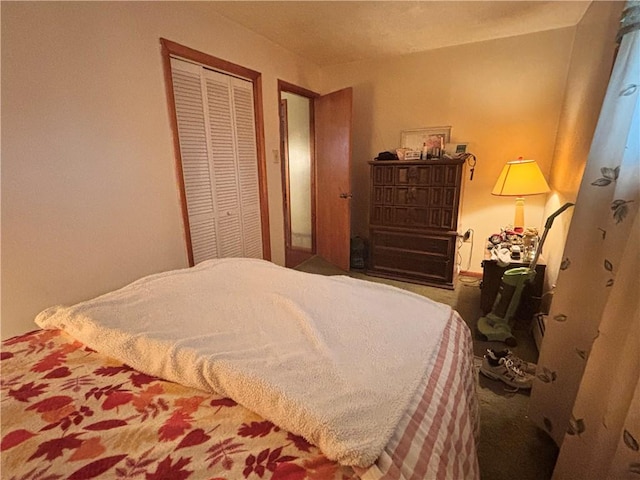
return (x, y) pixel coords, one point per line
(518, 179)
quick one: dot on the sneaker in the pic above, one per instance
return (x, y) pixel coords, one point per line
(523, 365)
(505, 370)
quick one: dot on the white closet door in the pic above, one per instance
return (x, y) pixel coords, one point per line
(242, 94)
(196, 170)
(224, 162)
(216, 126)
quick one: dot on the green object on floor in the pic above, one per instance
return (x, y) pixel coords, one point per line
(496, 325)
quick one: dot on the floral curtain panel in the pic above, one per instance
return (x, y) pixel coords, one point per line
(587, 391)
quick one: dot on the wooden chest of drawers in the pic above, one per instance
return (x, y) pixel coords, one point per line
(413, 220)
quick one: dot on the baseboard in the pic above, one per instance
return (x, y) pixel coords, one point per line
(468, 273)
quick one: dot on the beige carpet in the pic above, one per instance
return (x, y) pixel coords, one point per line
(318, 265)
(510, 447)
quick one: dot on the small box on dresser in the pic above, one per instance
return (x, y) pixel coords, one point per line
(413, 220)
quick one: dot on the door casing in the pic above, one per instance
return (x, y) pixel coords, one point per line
(331, 120)
(296, 255)
(170, 48)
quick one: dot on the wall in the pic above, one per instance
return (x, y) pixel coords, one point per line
(89, 197)
(503, 97)
(89, 201)
(591, 63)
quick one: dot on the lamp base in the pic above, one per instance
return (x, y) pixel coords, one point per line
(518, 222)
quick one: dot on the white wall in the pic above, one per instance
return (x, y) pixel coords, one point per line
(89, 196)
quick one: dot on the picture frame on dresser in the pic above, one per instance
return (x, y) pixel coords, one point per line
(432, 137)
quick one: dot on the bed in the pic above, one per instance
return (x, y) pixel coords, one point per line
(82, 400)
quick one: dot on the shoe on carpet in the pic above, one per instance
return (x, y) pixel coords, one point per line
(505, 370)
(523, 365)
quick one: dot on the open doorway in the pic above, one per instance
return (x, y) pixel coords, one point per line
(315, 135)
(297, 149)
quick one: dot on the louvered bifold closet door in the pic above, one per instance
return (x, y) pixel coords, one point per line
(242, 94)
(223, 157)
(192, 132)
(216, 126)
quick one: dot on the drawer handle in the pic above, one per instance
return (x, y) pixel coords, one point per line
(412, 195)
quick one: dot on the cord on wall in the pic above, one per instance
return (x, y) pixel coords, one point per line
(466, 237)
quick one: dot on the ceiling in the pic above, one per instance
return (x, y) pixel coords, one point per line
(335, 32)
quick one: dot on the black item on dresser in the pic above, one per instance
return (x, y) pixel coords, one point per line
(413, 219)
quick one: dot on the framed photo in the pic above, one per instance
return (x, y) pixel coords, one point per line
(435, 138)
(454, 149)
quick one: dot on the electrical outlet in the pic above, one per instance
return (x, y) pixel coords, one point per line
(467, 235)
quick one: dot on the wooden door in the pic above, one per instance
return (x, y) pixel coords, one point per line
(333, 114)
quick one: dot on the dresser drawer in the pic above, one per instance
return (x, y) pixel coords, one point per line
(400, 254)
(382, 174)
(413, 174)
(412, 265)
(432, 244)
(413, 217)
(425, 174)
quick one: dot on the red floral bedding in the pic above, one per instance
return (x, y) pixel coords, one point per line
(69, 412)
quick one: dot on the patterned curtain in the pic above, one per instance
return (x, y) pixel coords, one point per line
(587, 390)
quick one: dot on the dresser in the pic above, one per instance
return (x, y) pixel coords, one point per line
(413, 219)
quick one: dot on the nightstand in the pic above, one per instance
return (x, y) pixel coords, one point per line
(531, 295)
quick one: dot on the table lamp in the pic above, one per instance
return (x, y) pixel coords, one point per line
(520, 178)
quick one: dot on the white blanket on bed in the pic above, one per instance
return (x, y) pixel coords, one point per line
(333, 359)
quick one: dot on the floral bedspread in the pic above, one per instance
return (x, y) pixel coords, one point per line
(69, 412)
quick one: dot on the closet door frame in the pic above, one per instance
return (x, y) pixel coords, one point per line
(170, 48)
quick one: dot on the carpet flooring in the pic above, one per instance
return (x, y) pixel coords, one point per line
(510, 446)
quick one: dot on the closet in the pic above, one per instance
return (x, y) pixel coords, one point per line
(219, 162)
